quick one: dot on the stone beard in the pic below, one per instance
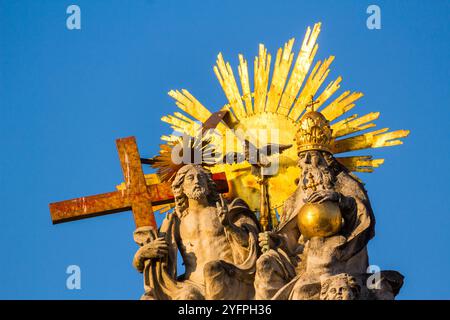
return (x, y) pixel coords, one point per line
(217, 242)
(197, 193)
(315, 174)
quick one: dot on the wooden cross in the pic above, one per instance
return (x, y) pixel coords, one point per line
(136, 196)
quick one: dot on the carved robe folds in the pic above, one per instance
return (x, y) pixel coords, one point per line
(222, 279)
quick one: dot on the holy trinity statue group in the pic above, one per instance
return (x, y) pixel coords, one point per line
(311, 254)
(287, 222)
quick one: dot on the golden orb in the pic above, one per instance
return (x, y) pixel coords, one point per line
(319, 219)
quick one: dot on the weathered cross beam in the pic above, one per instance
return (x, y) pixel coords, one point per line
(136, 196)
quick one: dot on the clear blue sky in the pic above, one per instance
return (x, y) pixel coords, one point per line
(65, 96)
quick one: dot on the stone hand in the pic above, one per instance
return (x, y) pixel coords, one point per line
(322, 196)
(267, 241)
(157, 248)
(222, 211)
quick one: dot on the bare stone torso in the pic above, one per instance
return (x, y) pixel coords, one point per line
(202, 239)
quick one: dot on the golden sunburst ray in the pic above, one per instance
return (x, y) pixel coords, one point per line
(341, 105)
(302, 64)
(189, 104)
(360, 163)
(225, 75)
(261, 79)
(276, 104)
(375, 139)
(354, 124)
(245, 84)
(282, 66)
(315, 80)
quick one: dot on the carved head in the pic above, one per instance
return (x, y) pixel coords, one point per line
(315, 133)
(193, 182)
(340, 287)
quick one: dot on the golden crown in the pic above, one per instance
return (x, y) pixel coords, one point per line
(315, 132)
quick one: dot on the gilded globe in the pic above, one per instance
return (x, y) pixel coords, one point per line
(319, 219)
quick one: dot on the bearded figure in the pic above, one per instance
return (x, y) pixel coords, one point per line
(325, 226)
(217, 242)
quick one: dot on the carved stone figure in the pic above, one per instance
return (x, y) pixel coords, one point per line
(317, 249)
(291, 255)
(217, 242)
(325, 226)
